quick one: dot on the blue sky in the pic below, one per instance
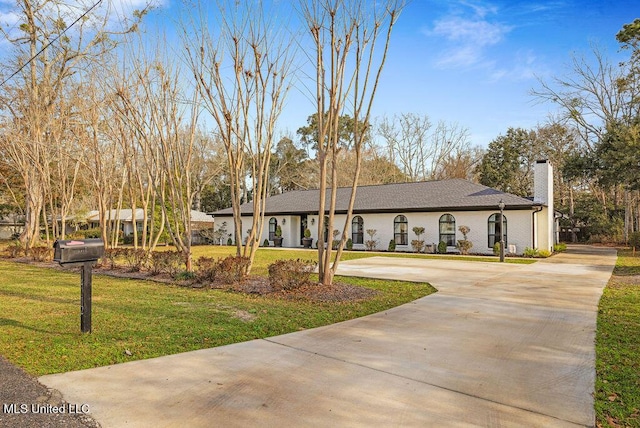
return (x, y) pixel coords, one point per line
(474, 63)
(467, 62)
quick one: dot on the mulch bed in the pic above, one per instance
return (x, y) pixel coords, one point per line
(314, 292)
(255, 285)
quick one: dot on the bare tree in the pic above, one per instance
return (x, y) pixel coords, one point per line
(243, 75)
(420, 150)
(596, 97)
(589, 97)
(158, 134)
(406, 136)
(48, 58)
(345, 35)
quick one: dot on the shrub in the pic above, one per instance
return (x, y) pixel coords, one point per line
(265, 243)
(109, 257)
(307, 233)
(168, 262)
(464, 246)
(349, 244)
(41, 254)
(496, 249)
(392, 245)
(418, 230)
(229, 242)
(442, 247)
(464, 230)
(84, 233)
(558, 248)
(184, 275)
(230, 269)
(544, 254)
(417, 245)
(371, 243)
(134, 258)
(530, 252)
(290, 274)
(91, 233)
(205, 271)
(335, 243)
(14, 250)
(128, 240)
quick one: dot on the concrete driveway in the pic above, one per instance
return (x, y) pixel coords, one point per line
(498, 345)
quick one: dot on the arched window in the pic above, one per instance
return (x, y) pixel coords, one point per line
(357, 227)
(494, 229)
(448, 230)
(273, 224)
(401, 230)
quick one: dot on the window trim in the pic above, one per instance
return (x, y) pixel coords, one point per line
(447, 236)
(273, 225)
(491, 235)
(400, 236)
(357, 230)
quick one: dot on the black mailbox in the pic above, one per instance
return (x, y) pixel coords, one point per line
(78, 251)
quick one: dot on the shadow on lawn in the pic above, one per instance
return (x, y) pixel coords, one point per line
(49, 299)
(13, 323)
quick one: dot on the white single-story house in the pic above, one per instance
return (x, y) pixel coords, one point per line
(441, 207)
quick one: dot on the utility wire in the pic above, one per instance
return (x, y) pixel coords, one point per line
(50, 43)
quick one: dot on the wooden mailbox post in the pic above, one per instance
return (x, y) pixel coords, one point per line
(83, 253)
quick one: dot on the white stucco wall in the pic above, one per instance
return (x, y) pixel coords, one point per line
(290, 229)
(519, 229)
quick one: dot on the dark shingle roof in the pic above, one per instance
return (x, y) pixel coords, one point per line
(444, 195)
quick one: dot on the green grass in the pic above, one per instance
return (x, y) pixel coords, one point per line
(40, 321)
(617, 400)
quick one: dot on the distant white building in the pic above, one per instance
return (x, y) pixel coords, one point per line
(128, 220)
(441, 207)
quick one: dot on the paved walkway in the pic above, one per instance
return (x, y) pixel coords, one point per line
(498, 345)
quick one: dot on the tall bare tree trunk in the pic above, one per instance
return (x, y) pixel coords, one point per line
(344, 34)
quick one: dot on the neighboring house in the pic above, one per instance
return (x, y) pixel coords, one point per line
(441, 207)
(199, 221)
(126, 217)
(11, 228)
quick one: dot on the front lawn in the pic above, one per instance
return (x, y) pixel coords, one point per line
(40, 320)
(617, 400)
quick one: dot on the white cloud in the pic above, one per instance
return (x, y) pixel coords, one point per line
(527, 67)
(470, 32)
(467, 37)
(481, 10)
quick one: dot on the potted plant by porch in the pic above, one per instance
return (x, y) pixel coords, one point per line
(277, 240)
(306, 241)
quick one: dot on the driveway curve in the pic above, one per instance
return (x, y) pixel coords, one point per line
(498, 345)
